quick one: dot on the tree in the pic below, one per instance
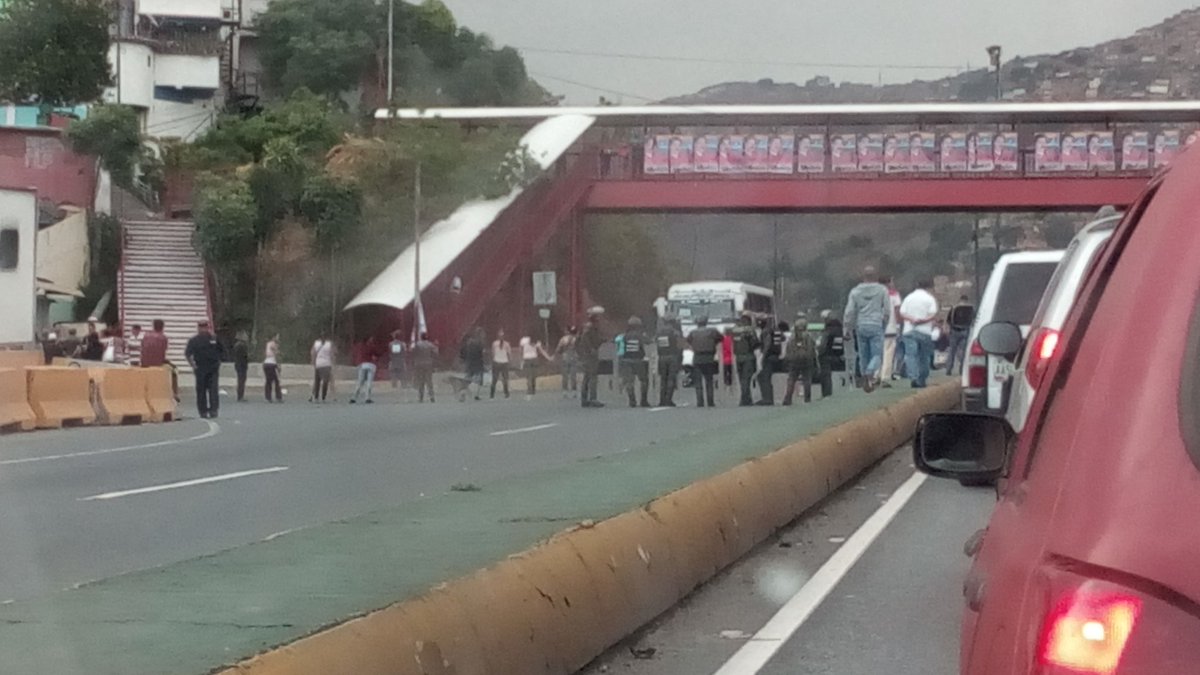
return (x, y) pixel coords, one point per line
(225, 214)
(326, 46)
(110, 133)
(53, 52)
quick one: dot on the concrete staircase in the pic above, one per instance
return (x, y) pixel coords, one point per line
(162, 277)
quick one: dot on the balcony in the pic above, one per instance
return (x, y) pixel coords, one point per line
(202, 10)
(187, 71)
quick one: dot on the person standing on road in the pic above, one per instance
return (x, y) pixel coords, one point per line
(803, 363)
(133, 346)
(154, 346)
(866, 318)
(397, 353)
(891, 333)
(532, 352)
(704, 341)
(669, 344)
(322, 360)
(473, 358)
(959, 322)
(204, 354)
(501, 362)
(241, 364)
(772, 361)
(424, 355)
(832, 354)
(588, 348)
(920, 310)
(634, 366)
(726, 360)
(270, 368)
(568, 356)
(366, 359)
(745, 344)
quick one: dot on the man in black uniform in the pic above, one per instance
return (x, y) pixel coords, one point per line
(772, 361)
(588, 348)
(633, 364)
(745, 343)
(669, 342)
(704, 342)
(803, 364)
(204, 354)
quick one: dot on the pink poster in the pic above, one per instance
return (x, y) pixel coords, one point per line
(810, 153)
(754, 153)
(729, 154)
(896, 157)
(979, 151)
(681, 154)
(953, 151)
(1166, 146)
(843, 152)
(922, 155)
(780, 152)
(870, 152)
(1047, 152)
(655, 159)
(1101, 154)
(1135, 150)
(1074, 151)
(704, 154)
(1006, 151)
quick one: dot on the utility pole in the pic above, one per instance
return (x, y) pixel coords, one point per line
(417, 310)
(391, 57)
(994, 56)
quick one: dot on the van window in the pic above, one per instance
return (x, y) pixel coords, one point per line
(759, 304)
(10, 249)
(1021, 291)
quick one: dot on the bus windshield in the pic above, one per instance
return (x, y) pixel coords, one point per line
(717, 311)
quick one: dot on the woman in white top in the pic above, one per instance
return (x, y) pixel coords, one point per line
(271, 370)
(531, 353)
(501, 360)
(322, 360)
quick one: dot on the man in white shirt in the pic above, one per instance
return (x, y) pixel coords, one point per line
(891, 333)
(919, 311)
(501, 358)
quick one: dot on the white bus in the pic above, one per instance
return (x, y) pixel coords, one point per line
(721, 301)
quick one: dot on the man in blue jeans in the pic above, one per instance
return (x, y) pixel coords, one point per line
(865, 318)
(919, 311)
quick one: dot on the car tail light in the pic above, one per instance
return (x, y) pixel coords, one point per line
(1043, 347)
(977, 372)
(1094, 627)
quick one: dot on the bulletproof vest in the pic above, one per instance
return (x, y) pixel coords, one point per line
(634, 347)
(776, 347)
(837, 346)
(743, 337)
(667, 342)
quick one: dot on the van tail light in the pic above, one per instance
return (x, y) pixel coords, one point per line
(1094, 627)
(1043, 347)
(977, 371)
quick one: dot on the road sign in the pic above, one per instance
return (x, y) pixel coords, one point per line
(545, 291)
(544, 313)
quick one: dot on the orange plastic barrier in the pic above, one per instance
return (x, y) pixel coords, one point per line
(18, 359)
(60, 396)
(160, 395)
(120, 395)
(15, 413)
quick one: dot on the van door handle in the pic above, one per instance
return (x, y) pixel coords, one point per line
(974, 589)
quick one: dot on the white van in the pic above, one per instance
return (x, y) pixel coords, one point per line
(1012, 294)
(1051, 314)
(720, 301)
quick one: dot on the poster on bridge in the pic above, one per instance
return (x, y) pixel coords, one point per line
(1101, 154)
(1074, 151)
(979, 151)
(1047, 155)
(843, 152)
(1166, 146)
(655, 156)
(810, 153)
(922, 153)
(1135, 150)
(704, 153)
(780, 152)
(680, 154)
(952, 150)
(896, 157)
(870, 152)
(729, 154)
(1006, 151)
(754, 152)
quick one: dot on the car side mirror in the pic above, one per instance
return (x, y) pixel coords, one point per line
(967, 446)
(1001, 338)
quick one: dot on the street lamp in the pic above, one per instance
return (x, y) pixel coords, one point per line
(994, 56)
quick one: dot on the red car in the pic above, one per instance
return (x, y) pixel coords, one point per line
(1091, 560)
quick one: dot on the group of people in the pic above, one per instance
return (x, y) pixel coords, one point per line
(528, 357)
(109, 345)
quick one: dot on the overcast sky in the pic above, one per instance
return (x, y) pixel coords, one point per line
(944, 33)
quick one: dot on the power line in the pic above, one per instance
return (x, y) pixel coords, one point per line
(747, 62)
(593, 87)
(178, 120)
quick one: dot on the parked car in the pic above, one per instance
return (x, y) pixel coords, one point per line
(1012, 294)
(1088, 563)
(1045, 330)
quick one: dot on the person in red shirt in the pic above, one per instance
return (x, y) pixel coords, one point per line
(154, 347)
(727, 360)
(366, 357)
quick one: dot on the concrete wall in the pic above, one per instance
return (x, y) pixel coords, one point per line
(39, 159)
(197, 9)
(187, 71)
(18, 294)
(62, 251)
(135, 77)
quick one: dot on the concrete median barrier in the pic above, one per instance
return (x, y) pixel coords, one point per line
(159, 394)
(18, 358)
(120, 395)
(555, 607)
(15, 413)
(60, 397)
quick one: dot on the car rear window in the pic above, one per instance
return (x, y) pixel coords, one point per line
(1021, 291)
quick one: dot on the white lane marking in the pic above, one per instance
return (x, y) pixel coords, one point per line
(213, 430)
(766, 642)
(183, 484)
(524, 430)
